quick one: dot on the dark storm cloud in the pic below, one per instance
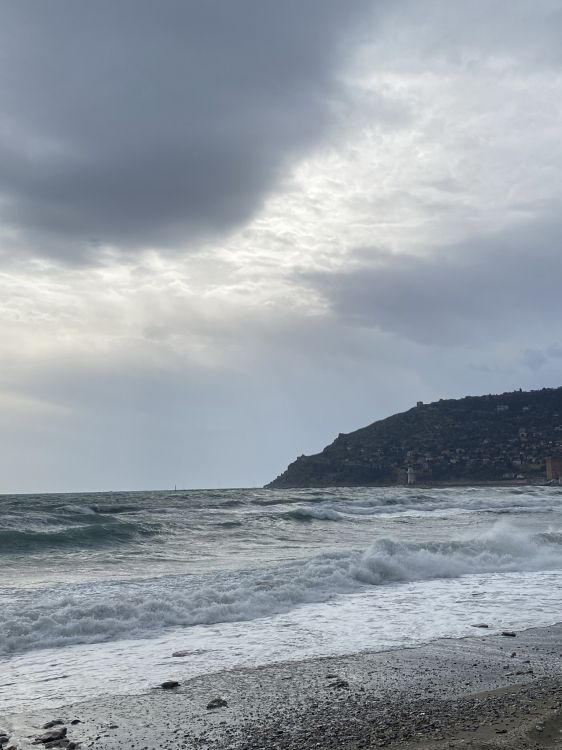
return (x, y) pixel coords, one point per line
(136, 122)
(504, 286)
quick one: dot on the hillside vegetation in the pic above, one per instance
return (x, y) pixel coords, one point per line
(473, 439)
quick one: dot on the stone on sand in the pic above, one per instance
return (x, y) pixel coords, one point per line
(216, 703)
(169, 685)
(53, 735)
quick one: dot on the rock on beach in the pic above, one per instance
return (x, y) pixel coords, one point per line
(169, 685)
(52, 736)
(54, 723)
(216, 703)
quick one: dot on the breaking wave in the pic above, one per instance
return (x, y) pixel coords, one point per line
(417, 503)
(104, 611)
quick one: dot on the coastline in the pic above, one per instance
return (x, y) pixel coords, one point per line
(482, 691)
(423, 485)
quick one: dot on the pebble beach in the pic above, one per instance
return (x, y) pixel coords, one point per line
(485, 691)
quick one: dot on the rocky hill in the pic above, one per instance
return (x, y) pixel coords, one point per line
(473, 439)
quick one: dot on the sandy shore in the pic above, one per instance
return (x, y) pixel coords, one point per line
(481, 692)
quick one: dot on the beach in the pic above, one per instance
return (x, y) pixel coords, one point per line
(483, 691)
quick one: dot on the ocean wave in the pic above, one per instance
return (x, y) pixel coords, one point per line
(113, 509)
(97, 509)
(415, 503)
(92, 614)
(551, 537)
(229, 524)
(311, 514)
(16, 540)
(349, 511)
(80, 510)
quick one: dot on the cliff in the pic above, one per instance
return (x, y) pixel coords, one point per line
(473, 439)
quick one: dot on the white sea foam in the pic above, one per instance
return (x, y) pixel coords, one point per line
(100, 612)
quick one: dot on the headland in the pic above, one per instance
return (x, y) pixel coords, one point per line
(511, 438)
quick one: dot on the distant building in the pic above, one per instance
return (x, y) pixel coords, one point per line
(502, 407)
(411, 475)
(419, 403)
(553, 468)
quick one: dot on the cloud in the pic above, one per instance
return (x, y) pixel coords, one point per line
(136, 124)
(452, 35)
(483, 290)
(304, 216)
(535, 359)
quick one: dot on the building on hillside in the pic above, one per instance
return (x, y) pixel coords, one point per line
(553, 468)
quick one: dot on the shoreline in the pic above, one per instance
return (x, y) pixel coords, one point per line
(478, 691)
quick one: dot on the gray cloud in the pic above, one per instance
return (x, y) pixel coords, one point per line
(450, 35)
(535, 359)
(486, 289)
(127, 424)
(139, 123)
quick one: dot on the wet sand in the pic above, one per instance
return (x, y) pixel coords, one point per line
(489, 691)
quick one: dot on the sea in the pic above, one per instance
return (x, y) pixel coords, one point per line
(113, 593)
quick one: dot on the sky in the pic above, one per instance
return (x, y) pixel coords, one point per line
(230, 231)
